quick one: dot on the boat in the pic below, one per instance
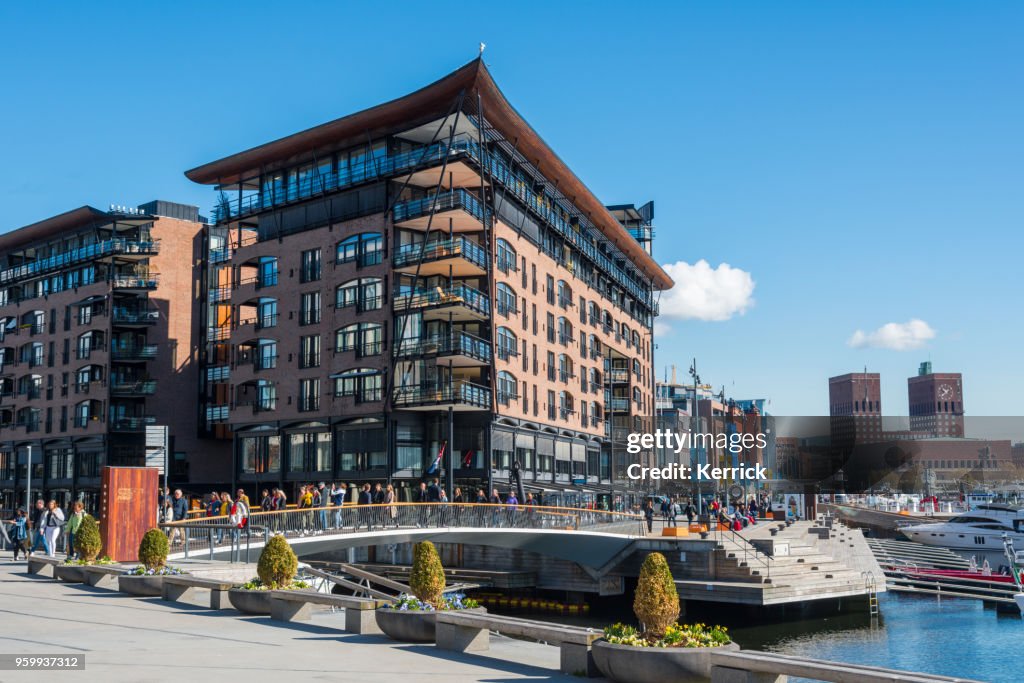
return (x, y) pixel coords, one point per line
(980, 529)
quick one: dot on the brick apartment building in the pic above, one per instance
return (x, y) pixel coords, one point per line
(425, 277)
(99, 339)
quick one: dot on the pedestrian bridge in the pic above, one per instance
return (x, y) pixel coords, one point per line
(591, 538)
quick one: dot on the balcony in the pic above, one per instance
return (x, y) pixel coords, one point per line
(121, 387)
(131, 424)
(459, 349)
(91, 252)
(128, 317)
(618, 375)
(134, 352)
(460, 396)
(459, 257)
(428, 159)
(618, 404)
(453, 211)
(457, 303)
(219, 295)
(135, 281)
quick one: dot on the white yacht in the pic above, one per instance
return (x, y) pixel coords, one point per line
(981, 529)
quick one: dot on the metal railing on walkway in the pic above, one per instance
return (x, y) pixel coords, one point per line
(201, 535)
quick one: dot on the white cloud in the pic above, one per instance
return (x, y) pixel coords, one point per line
(705, 293)
(661, 329)
(912, 334)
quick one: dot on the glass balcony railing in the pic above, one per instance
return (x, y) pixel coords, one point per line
(135, 281)
(133, 387)
(134, 352)
(129, 316)
(411, 254)
(618, 404)
(444, 201)
(456, 295)
(84, 254)
(455, 344)
(131, 424)
(618, 375)
(460, 393)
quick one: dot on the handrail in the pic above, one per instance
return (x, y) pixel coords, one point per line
(750, 551)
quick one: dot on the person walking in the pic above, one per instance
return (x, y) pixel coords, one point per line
(392, 505)
(495, 501)
(673, 510)
(649, 516)
(239, 519)
(179, 513)
(19, 534)
(52, 524)
(365, 501)
(338, 501)
(422, 497)
(36, 523)
(72, 525)
(690, 512)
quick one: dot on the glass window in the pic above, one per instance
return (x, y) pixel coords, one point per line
(310, 270)
(366, 249)
(309, 356)
(505, 256)
(309, 394)
(507, 386)
(309, 313)
(507, 343)
(506, 300)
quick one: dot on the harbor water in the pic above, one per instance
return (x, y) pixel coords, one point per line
(947, 636)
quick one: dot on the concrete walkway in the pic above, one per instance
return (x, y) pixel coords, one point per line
(133, 639)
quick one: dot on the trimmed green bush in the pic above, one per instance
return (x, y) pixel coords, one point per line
(278, 563)
(153, 549)
(427, 578)
(87, 539)
(656, 603)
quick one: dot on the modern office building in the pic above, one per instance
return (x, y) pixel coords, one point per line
(936, 402)
(99, 342)
(426, 281)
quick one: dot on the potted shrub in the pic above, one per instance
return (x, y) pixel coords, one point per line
(147, 578)
(662, 650)
(88, 545)
(413, 618)
(276, 571)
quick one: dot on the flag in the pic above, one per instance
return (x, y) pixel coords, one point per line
(467, 459)
(436, 465)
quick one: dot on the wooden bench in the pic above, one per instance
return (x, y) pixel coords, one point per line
(180, 588)
(748, 666)
(42, 565)
(463, 631)
(102, 575)
(297, 605)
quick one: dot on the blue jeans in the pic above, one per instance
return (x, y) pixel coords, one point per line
(38, 541)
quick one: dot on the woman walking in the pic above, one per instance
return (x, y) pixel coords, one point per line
(53, 520)
(389, 500)
(74, 521)
(19, 534)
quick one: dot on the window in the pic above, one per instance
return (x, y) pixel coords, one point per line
(309, 312)
(564, 294)
(309, 452)
(505, 256)
(266, 314)
(506, 300)
(366, 294)
(310, 270)
(507, 343)
(309, 356)
(506, 388)
(565, 405)
(366, 339)
(365, 384)
(551, 328)
(565, 332)
(366, 249)
(551, 290)
(266, 358)
(260, 454)
(268, 272)
(309, 395)
(565, 368)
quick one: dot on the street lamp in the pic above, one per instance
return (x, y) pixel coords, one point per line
(28, 482)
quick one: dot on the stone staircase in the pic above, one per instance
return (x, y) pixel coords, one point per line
(801, 562)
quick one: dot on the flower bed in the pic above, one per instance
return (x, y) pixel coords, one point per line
(410, 603)
(140, 570)
(411, 620)
(676, 635)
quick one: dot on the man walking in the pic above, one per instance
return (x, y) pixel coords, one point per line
(179, 514)
(37, 526)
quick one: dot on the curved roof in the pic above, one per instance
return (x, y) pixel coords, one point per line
(421, 106)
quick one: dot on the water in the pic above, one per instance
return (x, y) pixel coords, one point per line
(951, 637)
(948, 636)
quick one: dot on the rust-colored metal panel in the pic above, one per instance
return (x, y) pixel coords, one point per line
(128, 509)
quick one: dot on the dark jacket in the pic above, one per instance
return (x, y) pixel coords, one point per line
(365, 498)
(180, 508)
(433, 493)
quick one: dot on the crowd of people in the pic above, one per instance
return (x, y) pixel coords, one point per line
(737, 514)
(41, 530)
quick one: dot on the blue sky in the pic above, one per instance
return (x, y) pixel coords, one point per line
(859, 164)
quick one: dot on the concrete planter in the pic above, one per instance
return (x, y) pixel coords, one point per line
(410, 627)
(69, 573)
(628, 664)
(145, 586)
(250, 602)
